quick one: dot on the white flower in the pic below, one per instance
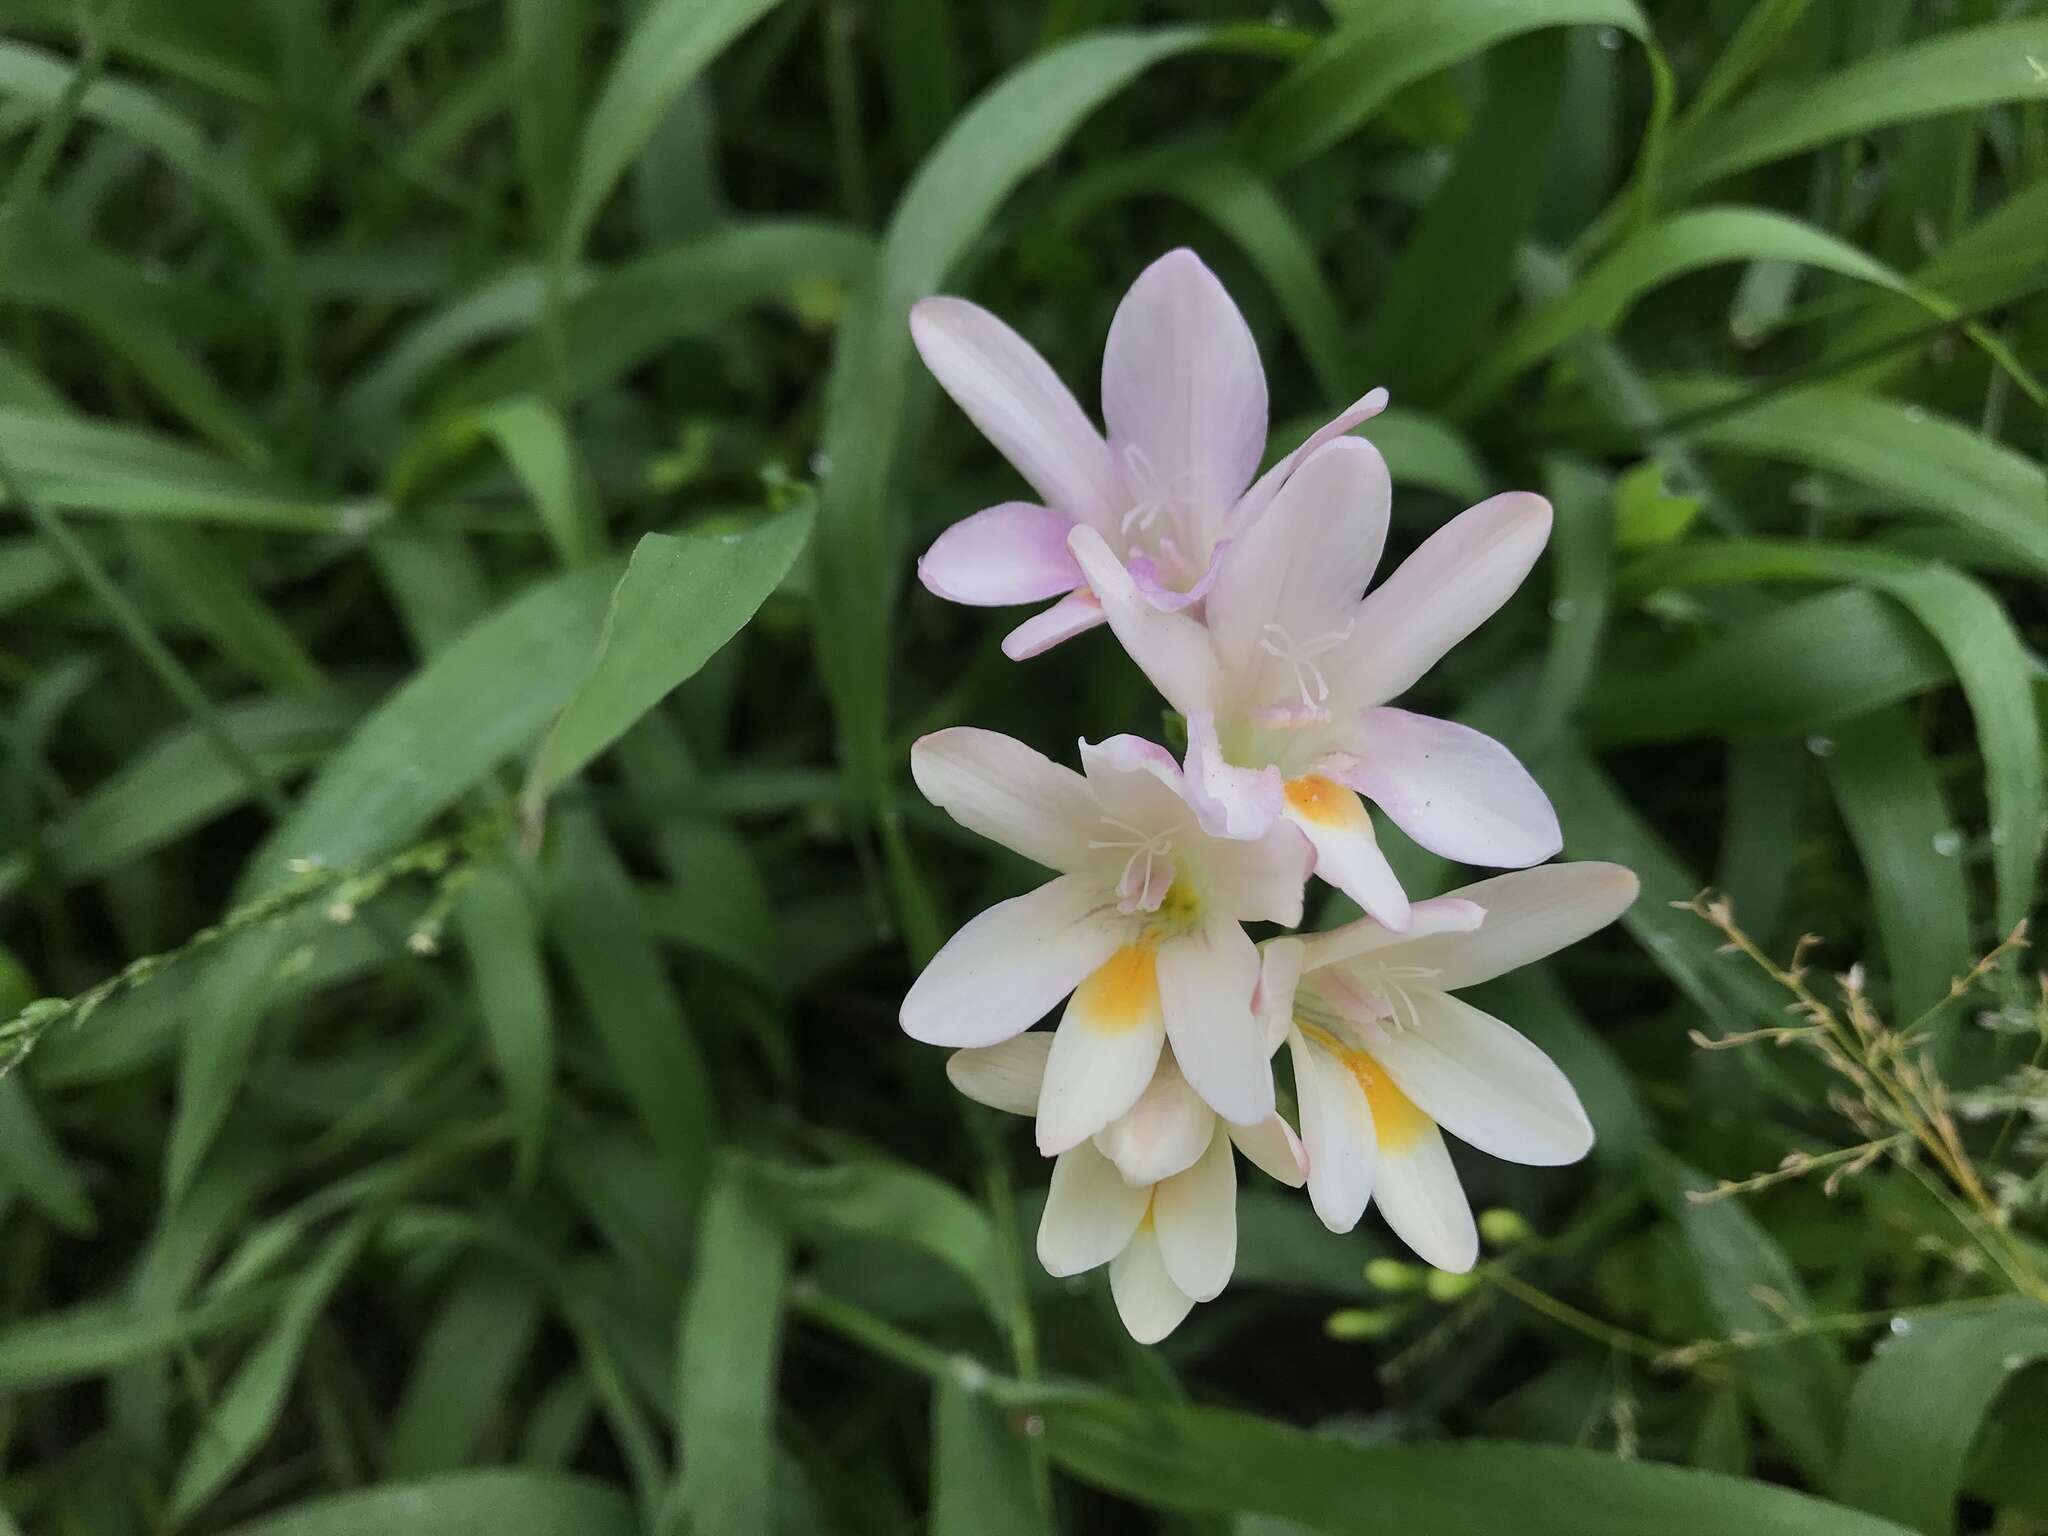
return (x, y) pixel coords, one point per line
(1285, 687)
(1384, 1055)
(1185, 399)
(1142, 925)
(1153, 1194)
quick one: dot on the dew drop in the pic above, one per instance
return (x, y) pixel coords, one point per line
(1034, 1426)
(1915, 413)
(2013, 1362)
(1610, 38)
(1948, 842)
(1562, 609)
(821, 464)
(1902, 1326)
(1997, 835)
(1821, 746)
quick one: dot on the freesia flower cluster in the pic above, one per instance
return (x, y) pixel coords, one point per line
(1244, 601)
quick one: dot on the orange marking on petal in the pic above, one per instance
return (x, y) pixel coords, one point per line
(1326, 802)
(1396, 1123)
(1121, 993)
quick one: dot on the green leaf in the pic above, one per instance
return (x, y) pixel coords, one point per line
(669, 46)
(464, 1368)
(243, 1416)
(1891, 801)
(1916, 460)
(1646, 516)
(95, 1338)
(180, 782)
(1655, 255)
(474, 704)
(1209, 1460)
(1989, 657)
(502, 940)
(872, 1197)
(595, 917)
(981, 1477)
(1919, 1403)
(1955, 71)
(1857, 650)
(1440, 301)
(214, 593)
(535, 442)
(499, 1501)
(83, 465)
(634, 313)
(1797, 1384)
(727, 1356)
(32, 1162)
(1346, 80)
(681, 599)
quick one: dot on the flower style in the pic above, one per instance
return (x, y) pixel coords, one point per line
(1384, 1055)
(1141, 925)
(1153, 1194)
(1285, 687)
(1185, 400)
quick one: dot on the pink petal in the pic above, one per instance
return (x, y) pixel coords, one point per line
(1255, 500)
(1171, 649)
(1020, 405)
(995, 785)
(1231, 801)
(1075, 614)
(1013, 553)
(1286, 596)
(1459, 793)
(1182, 389)
(1449, 587)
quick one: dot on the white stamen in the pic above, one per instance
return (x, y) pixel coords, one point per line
(1136, 895)
(1308, 677)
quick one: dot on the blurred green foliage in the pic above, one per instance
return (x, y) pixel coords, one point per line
(532, 1149)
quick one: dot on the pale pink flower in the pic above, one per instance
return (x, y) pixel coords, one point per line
(1185, 400)
(1286, 686)
(1142, 925)
(1153, 1194)
(1384, 1056)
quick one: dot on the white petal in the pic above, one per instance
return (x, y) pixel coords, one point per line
(1147, 1300)
(1136, 782)
(1075, 614)
(1104, 1051)
(1090, 1213)
(1231, 801)
(1273, 1148)
(1206, 978)
(1195, 1216)
(1457, 792)
(1006, 969)
(1439, 595)
(1020, 405)
(1347, 853)
(1182, 390)
(1426, 919)
(1483, 1082)
(1527, 914)
(1258, 880)
(1004, 1076)
(1419, 1194)
(1012, 553)
(1336, 1128)
(995, 785)
(1280, 963)
(1171, 649)
(1163, 1133)
(1255, 500)
(1290, 583)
